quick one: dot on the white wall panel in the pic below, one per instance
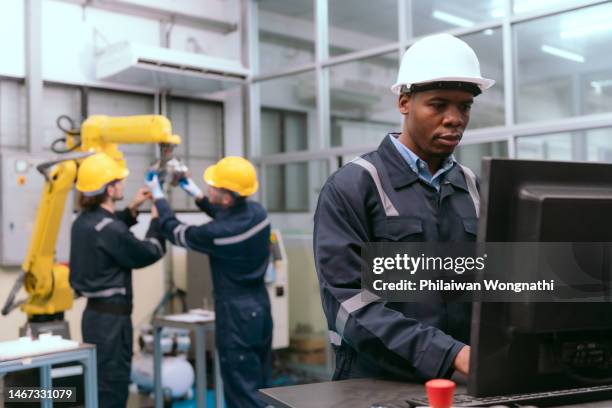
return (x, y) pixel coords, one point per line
(205, 42)
(12, 114)
(234, 122)
(12, 38)
(59, 100)
(226, 10)
(116, 27)
(67, 43)
(205, 130)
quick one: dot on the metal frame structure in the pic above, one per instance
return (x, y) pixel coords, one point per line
(200, 329)
(508, 133)
(322, 74)
(85, 354)
(33, 80)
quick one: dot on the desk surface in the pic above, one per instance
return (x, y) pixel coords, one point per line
(45, 355)
(356, 393)
(163, 322)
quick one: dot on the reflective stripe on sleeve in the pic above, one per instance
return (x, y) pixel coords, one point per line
(157, 244)
(179, 235)
(103, 223)
(351, 305)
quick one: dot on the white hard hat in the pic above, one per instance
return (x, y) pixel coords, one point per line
(440, 58)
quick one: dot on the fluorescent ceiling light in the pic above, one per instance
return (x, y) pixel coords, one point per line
(497, 13)
(599, 85)
(488, 31)
(586, 29)
(451, 19)
(524, 6)
(558, 52)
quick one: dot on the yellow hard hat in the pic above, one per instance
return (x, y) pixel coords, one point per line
(233, 173)
(96, 171)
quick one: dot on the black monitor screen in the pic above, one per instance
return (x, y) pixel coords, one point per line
(529, 347)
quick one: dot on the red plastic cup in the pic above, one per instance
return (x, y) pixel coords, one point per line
(440, 393)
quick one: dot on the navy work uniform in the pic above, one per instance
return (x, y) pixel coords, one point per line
(237, 241)
(379, 197)
(103, 253)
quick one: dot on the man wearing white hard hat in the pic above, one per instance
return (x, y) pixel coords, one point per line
(410, 189)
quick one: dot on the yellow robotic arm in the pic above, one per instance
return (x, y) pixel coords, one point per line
(47, 284)
(103, 133)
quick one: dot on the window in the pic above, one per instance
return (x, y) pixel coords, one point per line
(294, 187)
(471, 155)
(583, 145)
(561, 69)
(286, 34)
(488, 109)
(13, 125)
(362, 25)
(288, 113)
(200, 125)
(363, 108)
(529, 6)
(433, 16)
(283, 131)
(59, 100)
(549, 147)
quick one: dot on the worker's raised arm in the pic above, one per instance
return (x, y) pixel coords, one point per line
(210, 209)
(127, 250)
(190, 187)
(403, 345)
(126, 216)
(198, 238)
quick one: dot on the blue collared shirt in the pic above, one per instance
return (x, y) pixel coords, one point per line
(420, 167)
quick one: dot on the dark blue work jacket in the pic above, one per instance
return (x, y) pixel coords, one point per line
(103, 252)
(237, 241)
(374, 198)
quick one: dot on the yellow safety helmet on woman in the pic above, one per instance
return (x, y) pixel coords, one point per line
(96, 171)
(233, 173)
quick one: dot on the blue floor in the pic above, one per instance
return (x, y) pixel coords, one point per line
(210, 401)
(210, 394)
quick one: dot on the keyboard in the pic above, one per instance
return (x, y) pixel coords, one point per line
(549, 398)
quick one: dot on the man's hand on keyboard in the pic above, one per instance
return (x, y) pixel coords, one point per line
(462, 360)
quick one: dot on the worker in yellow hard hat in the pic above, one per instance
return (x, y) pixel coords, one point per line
(233, 174)
(103, 253)
(238, 243)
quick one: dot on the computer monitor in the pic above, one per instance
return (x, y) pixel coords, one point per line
(531, 347)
